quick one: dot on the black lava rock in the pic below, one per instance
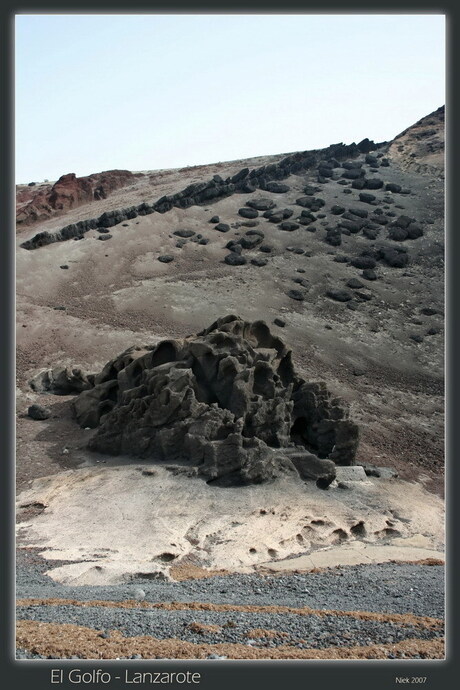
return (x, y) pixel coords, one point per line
(339, 295)
(38, 412)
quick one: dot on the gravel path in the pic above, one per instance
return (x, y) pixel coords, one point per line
(389, 589)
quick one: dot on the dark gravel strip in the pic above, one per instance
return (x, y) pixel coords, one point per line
(387, 587)
(302, 631)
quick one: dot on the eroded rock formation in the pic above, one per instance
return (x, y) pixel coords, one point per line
(226, 401)
(68, 192)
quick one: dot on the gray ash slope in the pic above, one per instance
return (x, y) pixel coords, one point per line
(351, 257)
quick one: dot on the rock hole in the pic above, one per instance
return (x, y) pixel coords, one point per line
(359, 529)
(252, 550)
(388, 532)
(318, 522)
(339, 535)
(272, 553)
(166, 557)
(299, 538)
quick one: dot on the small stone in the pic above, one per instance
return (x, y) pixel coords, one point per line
(139, 594)
(279, 322)
(166, 258)
(296, 294)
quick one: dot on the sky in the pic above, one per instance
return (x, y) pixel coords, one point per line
(96, 92)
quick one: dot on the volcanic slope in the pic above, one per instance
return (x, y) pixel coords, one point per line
(341, 253)
(330, 265)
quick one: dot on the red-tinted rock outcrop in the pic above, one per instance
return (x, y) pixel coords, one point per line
(40, 203)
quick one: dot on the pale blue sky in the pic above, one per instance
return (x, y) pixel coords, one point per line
(143, 92)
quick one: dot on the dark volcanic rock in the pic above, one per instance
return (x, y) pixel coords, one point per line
(288, 225)
(363, 262)
(296, 294)
(374, 183)
(222, 227)
(398, 234)
(367, 198)
(313, 203)
(235, 259)
(249, 241)
(334, 237)
(277, 187)
(261, 204)
(61, 381)
(166, 258)
(369, 274)
(355, 283)
(227, 401)
(38, 412)
(353, 173)
(184, 233)
(339, 295)
(248, 212)
(259, 262)
(394, 256)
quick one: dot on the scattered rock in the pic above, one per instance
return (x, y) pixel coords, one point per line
(391, 187)
(263, 204)
(166, 258)
(369, 274)
(248, 212)
(214, 219)
(355, 284)
(366, 197)
(277, 187)
(234, 259)
(288, 225)
(184, 233)
(313, 203)
(38, 412)
(296, 294)
(105, 237)
(363, 262)
(339, 295)
(279, 322)
(222, 227)
(61, 381)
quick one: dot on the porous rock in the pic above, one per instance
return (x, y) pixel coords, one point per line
(227, 401)
(61, 381)
(38, 412)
